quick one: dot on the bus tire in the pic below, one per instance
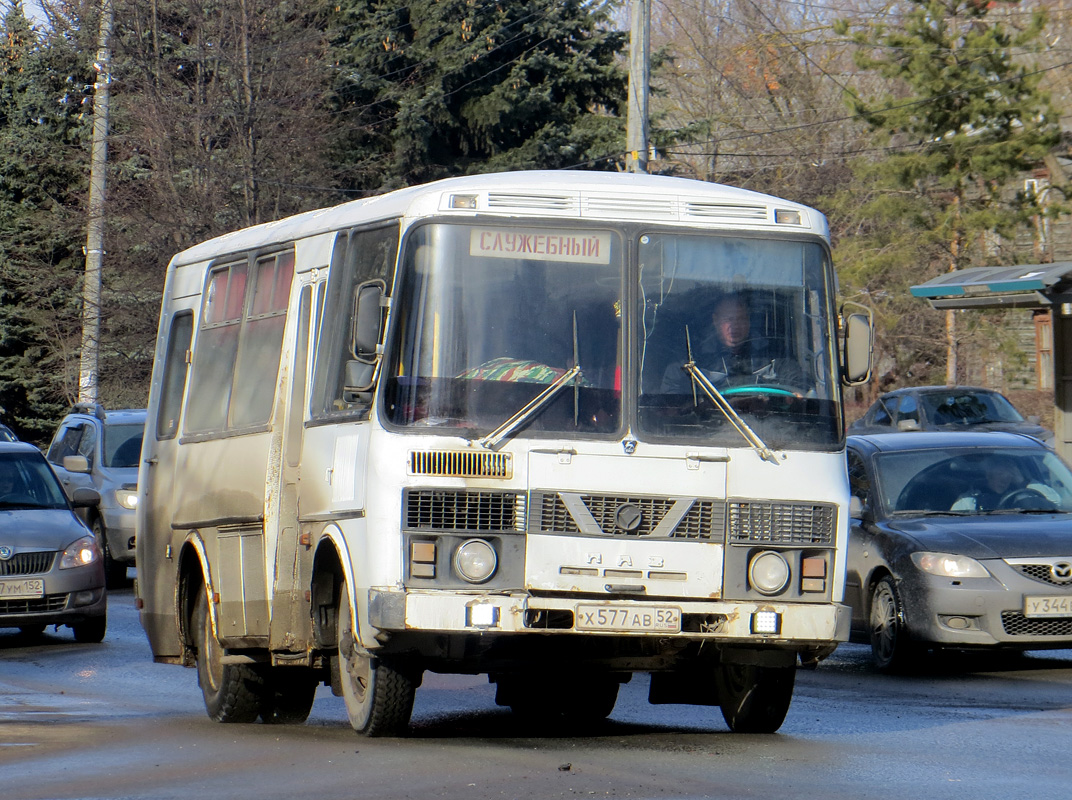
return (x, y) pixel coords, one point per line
(232, 692)
(754, 699)
(378, 697)
(290, 695)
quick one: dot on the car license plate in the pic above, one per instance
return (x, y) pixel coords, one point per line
(1052, 606)
(25, 589)
(628, 618)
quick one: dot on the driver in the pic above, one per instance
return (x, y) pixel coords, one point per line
(729, 357)
(1000, 478)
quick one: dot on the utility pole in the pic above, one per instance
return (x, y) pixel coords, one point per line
(636, 130)
(88, 373)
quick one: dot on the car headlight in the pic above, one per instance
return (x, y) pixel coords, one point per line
(81, 553)
(947, 565)
(475, 560)
(768, 572)
(127, 498)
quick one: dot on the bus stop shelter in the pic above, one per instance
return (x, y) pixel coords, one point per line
(1034, 286)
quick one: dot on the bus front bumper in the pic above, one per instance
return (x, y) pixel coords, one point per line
(741, 621)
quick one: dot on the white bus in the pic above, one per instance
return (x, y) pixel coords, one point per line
(467, 427)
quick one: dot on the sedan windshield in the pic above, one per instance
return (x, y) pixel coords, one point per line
(968, 408)
(26, 481)
(976, 480)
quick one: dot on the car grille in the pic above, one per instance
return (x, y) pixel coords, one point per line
(27, 563)
(450, 510)
(1016, 624)
(1040, 572)
(781, 523)
(698, 519)
(52, 602)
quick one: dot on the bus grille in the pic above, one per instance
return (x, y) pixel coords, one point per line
(27, 563)
(460, 464)
(781, 523)
(462, 510)
(702, 210)
(703, 519)
(1016, 624)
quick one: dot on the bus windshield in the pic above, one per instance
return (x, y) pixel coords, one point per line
(488, 317)
(753, 316)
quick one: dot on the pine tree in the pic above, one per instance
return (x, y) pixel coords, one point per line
(963, 117)
(439, 87)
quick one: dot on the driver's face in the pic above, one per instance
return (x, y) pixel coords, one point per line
(1001, 478)
(731, 322)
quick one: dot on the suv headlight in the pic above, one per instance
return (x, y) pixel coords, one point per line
(80, 554)
(127, 498)
(948, 565)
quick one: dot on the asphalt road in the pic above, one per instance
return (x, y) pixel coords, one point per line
(103, 721)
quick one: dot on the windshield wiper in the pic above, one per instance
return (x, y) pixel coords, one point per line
(542, 399)
(723, 405)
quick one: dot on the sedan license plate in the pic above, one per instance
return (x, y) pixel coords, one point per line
(24, 589)
(1048, 606)
(628, 618)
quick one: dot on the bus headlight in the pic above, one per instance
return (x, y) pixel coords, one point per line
(475, 560)
(768, 573)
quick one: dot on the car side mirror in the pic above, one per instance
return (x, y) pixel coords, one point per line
(908, 425)
(83, 496)
(76, 464)
(1034, 419)
(856, 507)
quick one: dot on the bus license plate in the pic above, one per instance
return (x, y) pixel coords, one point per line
(1052, 606)
(25, 589)
(628, 618)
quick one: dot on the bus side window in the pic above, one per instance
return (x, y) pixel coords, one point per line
(176, 368)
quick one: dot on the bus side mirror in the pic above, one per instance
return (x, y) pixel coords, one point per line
(368, 320)
(856, 355)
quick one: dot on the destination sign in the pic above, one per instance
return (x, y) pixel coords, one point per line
(547, 245)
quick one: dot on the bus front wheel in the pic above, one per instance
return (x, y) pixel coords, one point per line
(378, 697)
(755, 699)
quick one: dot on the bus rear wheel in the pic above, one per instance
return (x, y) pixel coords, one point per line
(379, 698)
(755, 699)
(232, 692)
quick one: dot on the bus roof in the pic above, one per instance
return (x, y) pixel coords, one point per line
(563, 194)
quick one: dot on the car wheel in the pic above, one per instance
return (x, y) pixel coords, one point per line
(891, 647)
(91, 631)
(754, 699)
(232, 692)
(115, 572)
(378, 697)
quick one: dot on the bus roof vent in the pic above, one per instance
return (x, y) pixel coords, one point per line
(561, 203)
(460, 464)
(700, 210)
(634, 207)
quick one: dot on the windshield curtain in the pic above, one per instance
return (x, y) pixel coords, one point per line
(488, 316)
(779, 372)
(941, 480)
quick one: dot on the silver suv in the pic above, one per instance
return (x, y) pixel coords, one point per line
(100, 450)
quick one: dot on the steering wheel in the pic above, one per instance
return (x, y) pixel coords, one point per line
(775, 389)
(1030, 499)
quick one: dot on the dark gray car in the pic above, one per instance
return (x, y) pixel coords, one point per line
(947, 408)
(958, 540)
(51, 570)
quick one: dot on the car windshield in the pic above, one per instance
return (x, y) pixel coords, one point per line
(968, 408)
(973, 480)
(26, 481)
(122, 445)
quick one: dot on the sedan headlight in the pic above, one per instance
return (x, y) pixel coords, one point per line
(81, 553)
(947, 565)
(127, 498)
